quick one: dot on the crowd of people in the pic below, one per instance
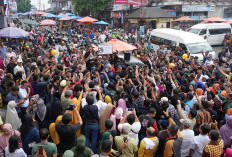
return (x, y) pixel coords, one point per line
(60, 97)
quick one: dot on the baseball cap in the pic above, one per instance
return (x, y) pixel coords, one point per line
(186, 122)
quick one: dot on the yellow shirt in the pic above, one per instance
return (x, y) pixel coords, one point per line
(143, 152)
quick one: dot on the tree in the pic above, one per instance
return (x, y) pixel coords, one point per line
(87, 7)
(23, 5)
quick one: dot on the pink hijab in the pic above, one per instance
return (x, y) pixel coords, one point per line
(4, 138)
(122, 104)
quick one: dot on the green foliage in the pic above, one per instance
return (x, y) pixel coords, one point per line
(23, 5)
(85, 7)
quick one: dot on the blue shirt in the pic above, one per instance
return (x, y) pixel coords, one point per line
(189, 103)
(30, 137)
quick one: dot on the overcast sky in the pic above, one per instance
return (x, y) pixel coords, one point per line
(36, 4)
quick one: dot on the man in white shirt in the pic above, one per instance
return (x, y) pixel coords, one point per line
(19, 67)
(199, 142)
(135, 124)
(102, 37)
(10, 54)
(24, 93)
(209, 61)
(62, 47)
(187, 135)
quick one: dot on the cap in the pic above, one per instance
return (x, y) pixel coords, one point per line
(164, 99)
(164, 123)
(68, 93)
(186, 122)
(19, 60)
(224, 93)
(63, 83)
(169, 71)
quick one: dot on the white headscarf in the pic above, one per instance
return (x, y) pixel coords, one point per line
(12, 116)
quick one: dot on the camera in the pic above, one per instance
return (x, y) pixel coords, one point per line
(71, 107)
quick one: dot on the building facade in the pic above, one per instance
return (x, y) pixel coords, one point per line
(61, 5)
(196, 9)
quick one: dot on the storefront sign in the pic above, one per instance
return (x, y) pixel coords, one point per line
(133, 20)
(198, 8)
(163, 20)
(12, 5)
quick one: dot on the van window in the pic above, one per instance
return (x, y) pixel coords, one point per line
(183, 46)
(203, 32)
(194, 30)
(219, 31)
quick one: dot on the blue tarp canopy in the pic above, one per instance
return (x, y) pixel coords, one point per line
(74, 17)
(62, 16)
(50, 15)
(101, 23)
(19, 13)
(70, 14)
(228, 18)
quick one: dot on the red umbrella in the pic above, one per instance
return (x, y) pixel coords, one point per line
(119, 45)
(47, 23)
(40, 13)
(228, 21)
(215, 19)
(87, 19)
(44, 14)
(184, 18)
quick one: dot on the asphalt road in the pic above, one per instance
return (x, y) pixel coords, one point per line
(217, 49)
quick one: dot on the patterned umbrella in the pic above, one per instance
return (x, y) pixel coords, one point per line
(13, 32)
(47, 23)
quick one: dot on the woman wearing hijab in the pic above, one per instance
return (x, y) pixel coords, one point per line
(12, 115)
(122, 104)
(105, 115)
(41, 115)
(8, 132)
(108, 136)
(80, 150)
(226, 132)
(29, 133)
(108, 99)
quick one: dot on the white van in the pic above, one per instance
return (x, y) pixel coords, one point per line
(191, 42)
(214, 33)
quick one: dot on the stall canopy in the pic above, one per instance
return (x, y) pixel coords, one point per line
(47, 23)
(50, 15)
(101, 23)
(214, 19)
(184, 18)
(40, 13)
(65, 18)
(62, 16)
(70, 14)
(119, 45)
(30, 22)
(228, 21)
(87, 19)
(13, 32)
(19, 13)
(74, 17)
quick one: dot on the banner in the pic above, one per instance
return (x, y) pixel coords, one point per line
(104, 49)
(131, 2)
(198, 8)
(12, 6)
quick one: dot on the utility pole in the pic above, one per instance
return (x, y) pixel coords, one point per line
(39, 5)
